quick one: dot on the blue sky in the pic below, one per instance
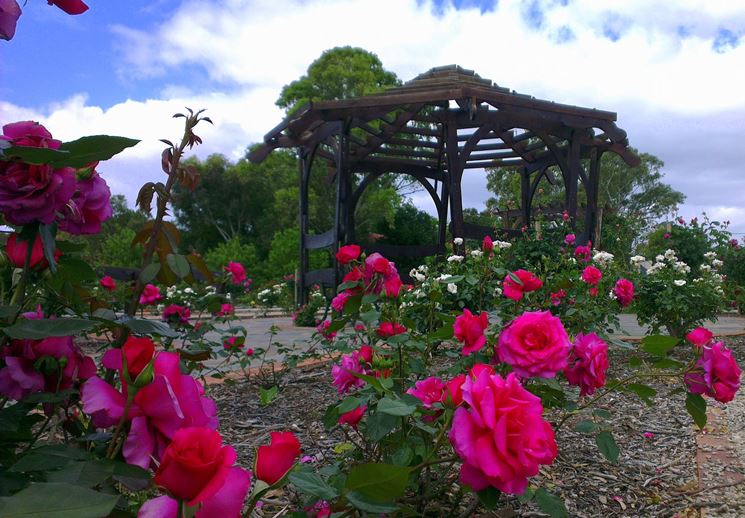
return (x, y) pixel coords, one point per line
(672, 70)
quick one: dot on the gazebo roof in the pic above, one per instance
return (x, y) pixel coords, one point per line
(404, 129)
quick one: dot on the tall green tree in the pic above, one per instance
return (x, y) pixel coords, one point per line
(339, 73)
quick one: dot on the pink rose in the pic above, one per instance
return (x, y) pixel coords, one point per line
(453, 393)
(274, 460)
(570, 239)
(89, 207)
(624, 292)
(32, 192)
(591, 275)
(534, 344)
(150, 295)
(469, 330)
(107, 283)
(340, 300)
(429, 391)
(226, 310)
(343, 379)
(323, 329)
(380, 273)
(10, 11)
(366, 353)
(18, 249)
(70, 6)
(176, 313)
(700, 337)
(237, 272)
(593, 291)
(353, 417)
(488, 245)
(555, 297)
(716, 374)
(27, 372)
(587, 363)
(389, 329)
(348, 253)
(501, 438)
(565, 216)
(583, 253)
(514, 290)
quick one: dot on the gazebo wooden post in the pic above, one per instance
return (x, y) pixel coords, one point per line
(525, 195)
(342, 195)
(454, 177)
(573, 178)
(592, 187)
(304, 170)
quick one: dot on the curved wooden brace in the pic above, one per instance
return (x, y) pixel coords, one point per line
(371, 177)
(473, 141)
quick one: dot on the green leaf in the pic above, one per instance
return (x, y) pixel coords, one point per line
(336, 325)
(34, 155)
(46, 458)
(86, 474)
(349, 404)
(312, 484)
(370, 316)
(75, 270)
(142, 326)
(489, 497)
(48, 244)
(179, 265)
(551, 504)
(585, 427)
(364, 504)
(378, 482)
(645, 392)
(92, 148)
(46, 327)
(57, 500)
(379, 425)
(443, 333)
(696, 406)
(403, 456)
(395, 407)
(148, 273)
(658, 345)
(601, 412)
(11, 483)
(607, 446)
(266, 396)
(8, 312)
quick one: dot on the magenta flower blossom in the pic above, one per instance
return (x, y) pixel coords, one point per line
(501, 438)
(624, 292)
(429, 391)
(591, 275)
(31, 193)
(700, 337)
(343, 380)
(469, 330)
(237, 272)
(587, 363)
(716, 374)
(150, 295)
(176, 313)
(89, 207)
(535, 344)
(10, 11)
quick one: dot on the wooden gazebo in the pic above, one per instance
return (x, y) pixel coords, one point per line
(433, 128)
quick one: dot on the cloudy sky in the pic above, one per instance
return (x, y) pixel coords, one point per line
(674, 71)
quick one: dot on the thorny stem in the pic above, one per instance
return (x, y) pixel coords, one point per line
(113, 445)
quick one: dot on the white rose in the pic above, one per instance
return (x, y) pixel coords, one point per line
(452, 288)
(716, 263)
(458, 241)
(419, 277)
(679, 282)
(659, 258)
(502, 244)
(455, 258)
(477, 253)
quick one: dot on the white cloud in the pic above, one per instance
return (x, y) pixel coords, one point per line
(677, 97)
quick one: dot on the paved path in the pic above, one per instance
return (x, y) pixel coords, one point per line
(288, 334)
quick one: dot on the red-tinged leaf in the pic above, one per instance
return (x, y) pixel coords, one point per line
(165, 160)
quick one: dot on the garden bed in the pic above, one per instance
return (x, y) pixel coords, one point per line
(656, 474)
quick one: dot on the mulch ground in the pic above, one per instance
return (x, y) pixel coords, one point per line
(666, 467)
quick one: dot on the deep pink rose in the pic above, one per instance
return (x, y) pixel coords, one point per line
(348, 253)
(234, 343)
(453, 393)
(170, 402)
(89, 207)
(343, 380)
(700, 337)
(389, 329)
(556, 297)
(10, 11)
(587, 363)
(18, 249)
(323, 330)
(469, 330)
(570, 239)
(150, 295)
(716, 374)
(226, 503)
(273, 461)
(176, 313)
(534, 344)
(138, 353)
(366, 353)
(381, 273)
(501, 438)
(107, 283)
(429, 391)
(591, 275)
(225, 310)
(340, 300)
(195, 465)
(514, 290)
(237, 272)
(32, 192)
(353, 417)
(624, 292)
(70, 6)
(583, 253)
(487, 245)
(24, 375)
